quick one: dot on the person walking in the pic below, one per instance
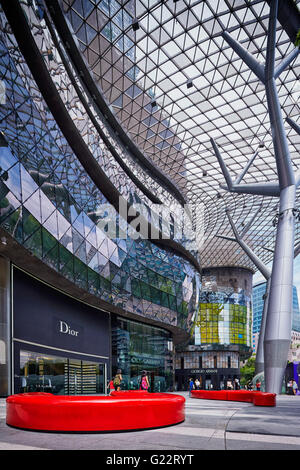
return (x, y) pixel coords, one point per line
(117, 380)
(295, 387)
(236, 384)
(144, 383)
(110, 386)
(290, 387)
(191, 385)
(197, 384)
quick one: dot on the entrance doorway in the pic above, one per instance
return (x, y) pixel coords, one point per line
(59, 375)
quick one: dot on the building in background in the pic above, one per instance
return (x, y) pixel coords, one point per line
(221, 334)
(259, 290)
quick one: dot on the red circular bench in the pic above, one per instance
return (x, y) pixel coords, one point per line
(76, 413)
(257, 398)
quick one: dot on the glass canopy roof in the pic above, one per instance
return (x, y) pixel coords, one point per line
(174, 83)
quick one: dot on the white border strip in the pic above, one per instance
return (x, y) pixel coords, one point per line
(59, 349)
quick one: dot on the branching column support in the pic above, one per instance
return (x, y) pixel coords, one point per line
(265, 271)
(279, 317)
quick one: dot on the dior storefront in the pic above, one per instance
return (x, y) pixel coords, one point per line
(59, 345)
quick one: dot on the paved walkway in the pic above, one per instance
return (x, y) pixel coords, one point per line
(209, 425)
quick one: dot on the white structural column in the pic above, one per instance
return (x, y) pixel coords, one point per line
(279, 318)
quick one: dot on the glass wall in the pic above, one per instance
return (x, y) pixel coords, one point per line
(40, 372)
(50, 205)
(137, 347)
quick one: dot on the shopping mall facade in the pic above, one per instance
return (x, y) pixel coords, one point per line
(102, 265)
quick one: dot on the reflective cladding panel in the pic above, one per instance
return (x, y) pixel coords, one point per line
(51, 207)
(137, 347)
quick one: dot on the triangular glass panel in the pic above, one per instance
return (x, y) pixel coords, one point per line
(7, 159)
(133, 91)
(33, 205)
(34, 243)
(94, 263)
(92, 237)
(80, 273)
(30, 223)
(8, 202)
(66, 263)
(93, 281)
(90, 251)
(104, 248)
(48, 241)
(67, 240)
(75, 211)
(111, 247)
(51, 225)
(13, 224)
(63, 224)
(122, 244)
(78, 224)
(27, 184)
(118, 103)
(52, 258)
(105, 271)
(114, 257)
(75, 20)
(14, 181)
(102, 260)
(87, 224)
(77, 240)
(122, 255)
(47, 208)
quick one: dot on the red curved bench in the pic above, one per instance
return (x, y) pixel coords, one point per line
(48, 412)
(257, 398)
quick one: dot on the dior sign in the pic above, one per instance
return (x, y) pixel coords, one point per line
(66, 329)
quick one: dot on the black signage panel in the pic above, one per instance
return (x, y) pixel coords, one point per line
(46, 316)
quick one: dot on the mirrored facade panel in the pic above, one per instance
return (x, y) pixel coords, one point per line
(137, 347)
(51, 206)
